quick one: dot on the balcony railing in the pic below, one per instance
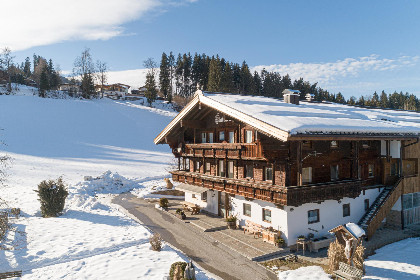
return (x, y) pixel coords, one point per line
(282, 195)
(224, 150)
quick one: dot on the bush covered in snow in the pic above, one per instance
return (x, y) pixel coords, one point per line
(52, 195)
(156, 242)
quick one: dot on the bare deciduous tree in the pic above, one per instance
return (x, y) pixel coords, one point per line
(101, 74)
(6, 62)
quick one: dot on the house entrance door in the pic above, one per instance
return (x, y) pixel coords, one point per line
(224, 205)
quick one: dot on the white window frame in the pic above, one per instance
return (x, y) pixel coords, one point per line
(203, 137)
(231, 136)
(211, 137)
(249, 136)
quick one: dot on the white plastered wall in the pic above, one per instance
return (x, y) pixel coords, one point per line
(210, 205)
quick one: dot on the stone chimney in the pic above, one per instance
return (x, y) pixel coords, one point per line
(291, 96)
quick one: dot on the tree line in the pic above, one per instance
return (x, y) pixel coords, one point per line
(182, 75)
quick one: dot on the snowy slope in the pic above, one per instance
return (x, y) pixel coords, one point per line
(48, 138)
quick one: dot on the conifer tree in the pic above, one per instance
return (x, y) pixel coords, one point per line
(246, 79)
(226, 82)
(215, 75)
(151, 88)
(43, 84)
(164, 79)
(27, 67)
(383, 101)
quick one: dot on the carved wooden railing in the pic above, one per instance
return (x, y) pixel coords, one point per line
(224, 150)
(384, 208)
(282, 195)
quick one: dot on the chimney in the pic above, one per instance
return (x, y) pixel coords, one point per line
(310, 97)
(291, 96)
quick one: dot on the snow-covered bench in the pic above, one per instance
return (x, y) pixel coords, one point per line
(348, 272)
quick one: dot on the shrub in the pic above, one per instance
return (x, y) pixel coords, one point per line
(156, 242)
(52, 195)
(231, 219)
(163, 202)
(175, 274)
(4, 224)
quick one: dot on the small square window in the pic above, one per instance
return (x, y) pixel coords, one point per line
(221, 136)
(193, 195)
(313, 216)
(266, 215)
(346, 210)
(247, 209)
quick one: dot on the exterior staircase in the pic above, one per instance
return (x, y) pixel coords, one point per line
(373, 218)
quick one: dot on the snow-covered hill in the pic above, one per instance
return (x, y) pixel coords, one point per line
(111, 140)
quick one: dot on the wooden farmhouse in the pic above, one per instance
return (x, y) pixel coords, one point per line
(296, 165)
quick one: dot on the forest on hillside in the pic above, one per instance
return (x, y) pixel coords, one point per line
(181, 76)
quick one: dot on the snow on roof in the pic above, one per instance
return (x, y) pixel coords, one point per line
(321, 117)
(355, 230)
(291, 91)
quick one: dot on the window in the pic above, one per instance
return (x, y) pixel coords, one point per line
(221, 168)
(197, 166)
(371, 168)
(313, 216)
(249, 171)
(230, 169)
(268, 173)
(334, 172)
(203, 137)
(208, 168)
(221, 136)
(367, 204)
(248, 136)
(407, 201)
(231, 137)
(266, 215)
(307, 175)
(334, 144)
(204, 196)
(211, 137)
(193, 195)
(247, 209)
(346, 210)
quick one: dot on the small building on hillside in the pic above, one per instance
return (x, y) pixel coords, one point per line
(71, 88)
(117, 90)
(298, 167)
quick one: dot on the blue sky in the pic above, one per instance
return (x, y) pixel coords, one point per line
(354, 47)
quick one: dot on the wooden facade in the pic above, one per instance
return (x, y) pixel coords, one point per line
(228, 155)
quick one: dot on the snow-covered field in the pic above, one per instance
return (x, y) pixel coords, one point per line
(109, 140)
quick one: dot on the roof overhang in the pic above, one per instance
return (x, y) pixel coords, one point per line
(199, 97)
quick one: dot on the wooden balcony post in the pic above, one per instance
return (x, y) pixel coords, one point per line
(299, 163)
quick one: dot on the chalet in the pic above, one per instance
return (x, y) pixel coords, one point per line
(298, 166)
(118, 90)
(69, 87)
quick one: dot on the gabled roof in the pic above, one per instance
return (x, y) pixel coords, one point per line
(285, 121)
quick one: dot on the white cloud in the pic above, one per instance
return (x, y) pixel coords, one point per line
(327, 73)
(29, 23)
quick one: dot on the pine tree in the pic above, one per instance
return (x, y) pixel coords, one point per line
(226, 82)
(151, 90)
(186, 74)
(215, 75)
(246, 79)
(88, 86)
(164, 79)
(178, 75)
(340, 98)
(43, 84)
(27, 67)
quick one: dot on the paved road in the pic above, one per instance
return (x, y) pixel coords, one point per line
(197, 245)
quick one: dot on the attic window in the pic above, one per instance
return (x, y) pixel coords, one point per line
(334, 144)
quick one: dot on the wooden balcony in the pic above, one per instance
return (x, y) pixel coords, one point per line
(285, 196)
(225, 150)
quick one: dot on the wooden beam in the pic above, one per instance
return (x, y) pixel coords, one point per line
(299, 163)
(193, 124)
